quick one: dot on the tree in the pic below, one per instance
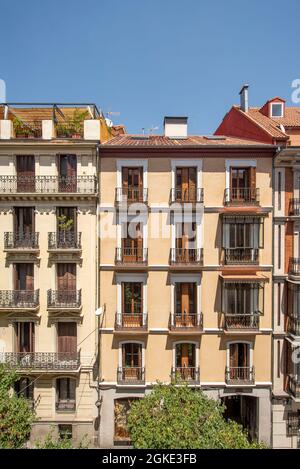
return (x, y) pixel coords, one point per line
(180, 417)
(16, 416)
(54, 441)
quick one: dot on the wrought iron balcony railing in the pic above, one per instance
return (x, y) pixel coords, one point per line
(48, 184)
(186, 321)
(64, 298)
(42, 360)
(294, 385)
(131, 321)
(242, 321)
(131, 255)
(294, 207)
(186, 256)
(19, 298)
(242, 196)
(28, 129)
(187, 195)
(21, 240)
(131, 375)
(239, 375)
(131, 195)
(64, 240)
(189, 374)
(294, 266)
(241, 255)
(65, 405)
(293, 325)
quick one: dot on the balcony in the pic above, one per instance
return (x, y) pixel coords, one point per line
(65, 405)
(294, 207)
(64, 299)
(294, 386)
(64, 241)
(186, 257)
(21, 241)
(27, 129)
(131, 256)
(239, 375)
(293, 326)
(46, 186)
(131, 375)
(192, 196)
(39, 361)
(131, 322)
(241, 322)
(125, 196)
(242, 196)
(186, 322)
(19, 299)
(241, 255)
(188, 374)
(69, 130)
(294, 266)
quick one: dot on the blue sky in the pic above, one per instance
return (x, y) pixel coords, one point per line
(150, 58)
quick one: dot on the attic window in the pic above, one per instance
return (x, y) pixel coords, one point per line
(276, 109)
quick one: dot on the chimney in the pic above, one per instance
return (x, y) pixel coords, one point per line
(175, 127)
(244, 98)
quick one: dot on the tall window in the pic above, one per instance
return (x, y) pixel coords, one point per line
(132, 298)
(65, 394)
(24, 338)
(67, 166)
(132, 242)
(24, 387)
(132, 183)
(242, 183)
(185, 299)
(25, 173)
(242, 298)
(186, 184)
(67, 338)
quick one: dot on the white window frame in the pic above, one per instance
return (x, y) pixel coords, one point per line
(271, 109)
(128, 341)
(141, 278)
(239, 342)
(136, 163)
(186, 278)
(197, 349)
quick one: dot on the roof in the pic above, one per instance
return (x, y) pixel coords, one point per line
(272, 124)
(42, 113)
(158, 141)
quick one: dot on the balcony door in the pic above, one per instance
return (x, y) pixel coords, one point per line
(132, 361)
(132, 183)
(132, 243)
(23, 226)
(67, 167)
(239, 361)
(66, 283)
(242, 183)
(66, 338)
(185, 241)
(24, 337)
(185, 360)
(186, 184)
(185, 304)
(23, 277)
(25, 173)
(66, 226)
(132, 304)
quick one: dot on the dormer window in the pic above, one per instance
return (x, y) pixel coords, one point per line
(276, 109)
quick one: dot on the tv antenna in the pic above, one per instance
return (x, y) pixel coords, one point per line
(152, 129)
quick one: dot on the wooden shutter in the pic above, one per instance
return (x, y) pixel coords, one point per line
(192, 184)
(139, 242)
(185, 355)
(185, 183)
(233, 352)
(25, 173)
(252, 182)
(67, 337)
(29, 277)
(66, 276)
(185, 299)
(125, 178)
(23, 275)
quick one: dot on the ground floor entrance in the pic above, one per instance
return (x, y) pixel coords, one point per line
(244, 410)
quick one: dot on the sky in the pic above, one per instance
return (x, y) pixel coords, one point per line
(149, 58)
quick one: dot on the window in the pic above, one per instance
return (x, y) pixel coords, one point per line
(246, 232)
(276, 109)
(24, 387)
(243, 184)
(186, 184)
(132, 184)
(242, 298)
(65, 394)
(24, 337)
(132, 298)
(65, 432)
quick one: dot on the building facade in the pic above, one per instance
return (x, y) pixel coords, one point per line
(185, 273)
(48, 245)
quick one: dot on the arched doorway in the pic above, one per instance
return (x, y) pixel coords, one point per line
(243, 410)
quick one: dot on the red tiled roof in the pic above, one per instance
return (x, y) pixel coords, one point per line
(191, 141)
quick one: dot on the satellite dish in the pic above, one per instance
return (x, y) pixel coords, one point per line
(109, 122)
(99, 311)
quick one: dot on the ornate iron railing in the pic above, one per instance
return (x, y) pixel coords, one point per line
(186, 256)
(241, 255)
(187, 195)
(293, 325)
(131, 255)
(186, 321)
(294, 385)
(242, 321)
(294, 267)
(19, 298)
(21, 240)
(131, 321)
(186, 373)
(243, 195)
(131, 375)
(42, 360)
(65, 405)
(48, 184)
(131, 195)
(64, 240)
(64, 298)
(239, 375)
(295, 207)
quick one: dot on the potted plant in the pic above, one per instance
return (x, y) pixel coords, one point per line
(21, 129)
(65, 231)
(76, 122)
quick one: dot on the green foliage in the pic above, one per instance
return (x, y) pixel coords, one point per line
(73, 125)
(180, 417)
(54, 441)
(16, 417)
(64, 223)
(21, 128)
